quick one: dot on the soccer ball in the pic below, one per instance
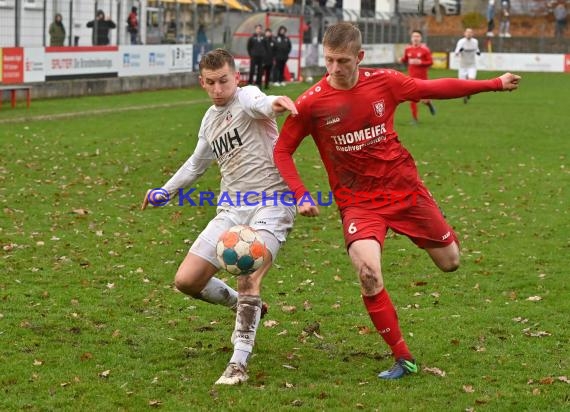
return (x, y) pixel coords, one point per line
(240, 250)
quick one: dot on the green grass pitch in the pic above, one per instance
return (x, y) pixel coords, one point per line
(89, 317)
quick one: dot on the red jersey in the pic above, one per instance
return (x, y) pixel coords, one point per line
(418, 59)
(354, 130)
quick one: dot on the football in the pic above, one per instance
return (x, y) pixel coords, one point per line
(240, 250)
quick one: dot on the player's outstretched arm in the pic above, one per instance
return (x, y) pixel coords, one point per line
(188, 173)
(510, 81)
(282, 104)
(291, 135)
(453, 88)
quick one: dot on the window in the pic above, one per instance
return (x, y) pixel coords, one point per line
(33, 4)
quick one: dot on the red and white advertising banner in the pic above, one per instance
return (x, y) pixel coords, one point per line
(180, 59)
(12, 65)
(143, 60)
(523, 62)
(34, 64)
(567, 63)
(76, 62)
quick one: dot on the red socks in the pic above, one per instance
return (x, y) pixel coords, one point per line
(385, 319)
(414, 107)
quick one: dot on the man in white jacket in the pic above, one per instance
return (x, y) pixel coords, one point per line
(239, 131)
(467, 49)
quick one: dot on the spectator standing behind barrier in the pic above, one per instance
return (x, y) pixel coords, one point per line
(505, 19)
(282, 50)
(56, 32)
(101, 27)
(133, 25)
(490, 18)
(256, 52)
(268, 56)
(561, 20)
(201, 37)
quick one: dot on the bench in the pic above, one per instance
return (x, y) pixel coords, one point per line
(13, 90)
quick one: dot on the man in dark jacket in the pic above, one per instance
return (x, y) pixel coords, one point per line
(133, 25)
(282, 50)
(269, 56)
(101, 27)
(256, 50)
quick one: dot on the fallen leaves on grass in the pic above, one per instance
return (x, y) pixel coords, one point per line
(288, 385)
(564, 379)
(38, 362)
(520, 319)
(270, 323)
(434, 371)
(537, 334)
(80, 211)
(534, 298)
(307, 305)
(419, 283)
(155, 403)
(549, 380)
(363, 330)
(288, 309)
(468, 389)
(289, 367)
(297, 402)
(105, 374)
(86, 356)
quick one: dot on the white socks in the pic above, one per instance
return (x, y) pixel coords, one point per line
(247, 321)
(218, 293)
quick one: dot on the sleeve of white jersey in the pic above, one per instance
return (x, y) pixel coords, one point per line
(193, 168)
(459, 46)
(256, 103)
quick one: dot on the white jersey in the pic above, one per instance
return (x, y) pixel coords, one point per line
(240, 137)
(467, 49)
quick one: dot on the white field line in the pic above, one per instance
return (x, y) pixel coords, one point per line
(100, 112)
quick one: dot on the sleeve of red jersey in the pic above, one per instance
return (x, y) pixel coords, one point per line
(428, 60)
(417, 89)
(292, 134)
(404, 58)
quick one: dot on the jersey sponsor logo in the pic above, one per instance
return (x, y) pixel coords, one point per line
(446, 236)
(379, 108)
(226, 142)
(346, 142)
(228, 116)
(332, 120)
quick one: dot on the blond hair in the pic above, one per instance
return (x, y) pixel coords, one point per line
(343, 36)
(216, 59)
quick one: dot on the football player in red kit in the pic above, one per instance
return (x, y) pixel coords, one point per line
(350, 115)
(418, 58)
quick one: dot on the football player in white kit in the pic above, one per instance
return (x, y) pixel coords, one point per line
(239, 131)
(466, 48)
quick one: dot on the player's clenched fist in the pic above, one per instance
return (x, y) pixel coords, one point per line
(308, 210)
(510, 81)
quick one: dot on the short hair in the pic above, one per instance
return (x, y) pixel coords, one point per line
(216, 59)
(343, 36)
(418, 31)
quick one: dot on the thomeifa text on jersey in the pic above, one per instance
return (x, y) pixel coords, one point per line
(356, 140)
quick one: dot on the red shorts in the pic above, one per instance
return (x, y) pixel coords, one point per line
(416, 215)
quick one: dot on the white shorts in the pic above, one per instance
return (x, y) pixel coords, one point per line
(272, 222)
(468, 73)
